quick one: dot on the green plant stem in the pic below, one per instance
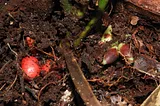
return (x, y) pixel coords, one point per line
(101, 6)
(85, 31)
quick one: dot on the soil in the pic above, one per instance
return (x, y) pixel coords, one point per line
(48, 23)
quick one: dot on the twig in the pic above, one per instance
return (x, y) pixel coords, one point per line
(53, 53)
(12, 17)
(110, 11)
(2, 86)
(62, 79)
(40, 92)
(12, 49)
(49, 54)
(46, 76)
(152, 75)
(4, 65)
(80, 81)
(18, 68)
(33, 92)
(8, 88)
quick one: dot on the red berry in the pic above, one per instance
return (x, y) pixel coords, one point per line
(110, 56)
(30, 67)
(30, 41)
(125, 51)
(46, 67)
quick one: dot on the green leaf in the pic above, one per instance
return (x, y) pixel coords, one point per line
(66, 6)
(102, 4)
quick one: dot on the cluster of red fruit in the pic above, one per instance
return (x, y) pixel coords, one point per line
(112, 54)
(31, 67)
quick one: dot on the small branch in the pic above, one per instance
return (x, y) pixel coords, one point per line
(2, 86)
(4, 65)
(8, 88)
(80, 81)
(40, 92)
(12, 49)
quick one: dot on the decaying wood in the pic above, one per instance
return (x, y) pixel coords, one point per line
(148, 8)
(80, 81)
(150, 5)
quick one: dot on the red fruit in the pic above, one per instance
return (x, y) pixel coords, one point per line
(46, 67)
(30, 67)
(30, 41)
(125, 51)
(110, 56)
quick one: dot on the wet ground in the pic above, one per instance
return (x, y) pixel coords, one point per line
(52, 23)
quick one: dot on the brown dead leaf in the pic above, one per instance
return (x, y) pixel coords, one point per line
(153, 99)
(147, 64)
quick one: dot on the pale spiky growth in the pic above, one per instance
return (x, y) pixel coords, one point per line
(107, 36)
(104, 62)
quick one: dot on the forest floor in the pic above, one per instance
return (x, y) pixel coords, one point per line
(52, 23)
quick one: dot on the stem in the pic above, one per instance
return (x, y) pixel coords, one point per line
(85, 31)
(102, 4)
(101, 7)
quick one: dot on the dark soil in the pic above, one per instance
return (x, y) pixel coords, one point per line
(49, 24)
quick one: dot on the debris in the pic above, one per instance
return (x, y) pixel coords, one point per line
(134, 20)
(66, 98)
